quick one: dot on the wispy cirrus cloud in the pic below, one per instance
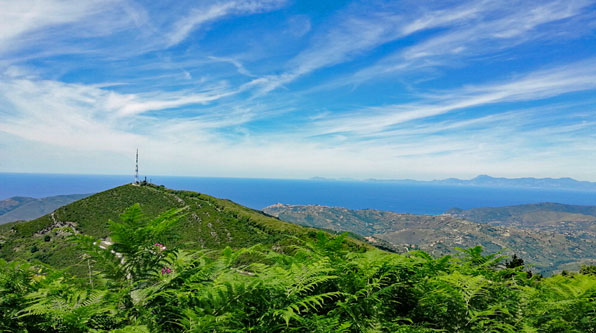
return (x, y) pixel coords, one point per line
(19, 18)
(131, 105)
(357, 31)
(512, 28)
(46, 28)
(496, 26)
(216, 10)
(534, 86)
(237, 64)
(55, 112)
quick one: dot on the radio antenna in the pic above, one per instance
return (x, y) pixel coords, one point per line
(137, 168)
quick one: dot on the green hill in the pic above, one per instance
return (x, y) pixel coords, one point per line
(439, 235)
(25, 208)
(208, 223)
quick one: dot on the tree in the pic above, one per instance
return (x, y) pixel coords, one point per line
(515, 262)
(588, 270)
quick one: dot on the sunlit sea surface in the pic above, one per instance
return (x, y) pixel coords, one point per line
(259, 193)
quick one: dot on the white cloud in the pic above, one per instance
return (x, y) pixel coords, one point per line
(128, 106)
(53, 27)
(299, 25)
(538, 85)
(239, 66)
(355, 32)
(20, 17)
(489, 27)
(512, 27)
(88, 117)
(45, 26)
(201, 15)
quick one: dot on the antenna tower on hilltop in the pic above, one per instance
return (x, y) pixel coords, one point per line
(137, 168)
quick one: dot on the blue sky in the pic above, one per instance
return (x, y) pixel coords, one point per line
(296, 89)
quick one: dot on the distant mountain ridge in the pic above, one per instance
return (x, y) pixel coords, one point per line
(565, 183)
(26, 208)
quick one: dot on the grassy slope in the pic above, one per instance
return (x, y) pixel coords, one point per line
(208, 223)
(439, 235)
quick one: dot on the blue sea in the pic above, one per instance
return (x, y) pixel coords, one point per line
(259, 193)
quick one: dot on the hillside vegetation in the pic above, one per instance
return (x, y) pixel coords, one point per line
(547, 251)
(309, 285)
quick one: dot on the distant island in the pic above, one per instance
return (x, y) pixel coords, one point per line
(565, 183)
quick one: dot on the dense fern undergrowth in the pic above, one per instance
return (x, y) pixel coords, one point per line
(134, 283)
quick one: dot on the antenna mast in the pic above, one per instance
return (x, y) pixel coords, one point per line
(137, 168)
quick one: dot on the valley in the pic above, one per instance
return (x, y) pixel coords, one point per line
(546, 249)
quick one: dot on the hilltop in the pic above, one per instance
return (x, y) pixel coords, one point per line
(439, 235)
(208, 222)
